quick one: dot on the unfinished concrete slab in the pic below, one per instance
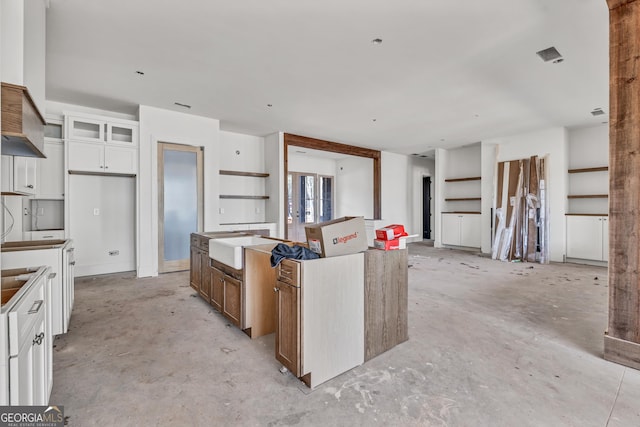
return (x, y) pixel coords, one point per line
(490, 344)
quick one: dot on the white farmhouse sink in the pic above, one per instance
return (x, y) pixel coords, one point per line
(229, 249)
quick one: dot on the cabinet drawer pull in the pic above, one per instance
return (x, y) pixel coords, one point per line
(101, 167)
(52, 275)
(38, 339)
(36, 306)
(276, 289)
(72, 263)
(29, 186)
(48, 236)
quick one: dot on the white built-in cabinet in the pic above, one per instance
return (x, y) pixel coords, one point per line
(19, 175)
(101, 145)
(461, 229)
(588, 237)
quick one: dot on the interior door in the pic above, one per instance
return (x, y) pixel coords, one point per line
(180, 203)
(301, 204)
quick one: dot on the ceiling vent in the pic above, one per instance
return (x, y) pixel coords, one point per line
(597, 112)
(550, 54)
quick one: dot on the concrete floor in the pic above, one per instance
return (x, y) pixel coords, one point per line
(491, 344)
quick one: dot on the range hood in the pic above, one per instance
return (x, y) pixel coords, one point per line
(22, 123)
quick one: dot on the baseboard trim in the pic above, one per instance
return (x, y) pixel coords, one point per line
(623, 352)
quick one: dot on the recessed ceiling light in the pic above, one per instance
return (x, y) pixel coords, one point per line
(376, 41)
(141, 73)
(550, 54)
(179, 104)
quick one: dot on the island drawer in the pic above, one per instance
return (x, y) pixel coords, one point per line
(289, 272)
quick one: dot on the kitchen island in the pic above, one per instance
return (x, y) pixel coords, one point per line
(329, 314)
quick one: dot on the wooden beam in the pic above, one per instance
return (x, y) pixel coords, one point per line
(624, 183)
(336, 147)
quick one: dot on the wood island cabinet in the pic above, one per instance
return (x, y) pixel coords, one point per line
(217, 288)
(320, 312)
(194, 270)
(288, 324)
(232, 300)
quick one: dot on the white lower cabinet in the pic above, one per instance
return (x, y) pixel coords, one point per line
(588, 237)
(26, 347)
(461, 230)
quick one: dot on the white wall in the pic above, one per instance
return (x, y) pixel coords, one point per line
(549, 143)
(22, 46)
(489, 181)
(35, 50)
(310, 164)
(354, 187)
(158, 125)
(274, 165)
(55, 108)
(245, 153)
(402, 191)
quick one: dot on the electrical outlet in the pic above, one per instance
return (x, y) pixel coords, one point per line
(96, 211)
(257, 210)
(221, 210)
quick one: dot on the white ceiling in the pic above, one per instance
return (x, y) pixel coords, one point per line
(447, 73)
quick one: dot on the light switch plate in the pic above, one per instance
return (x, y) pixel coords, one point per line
(96, 211)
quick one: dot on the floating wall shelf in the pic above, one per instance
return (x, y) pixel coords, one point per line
(228, 196)
(588, 196)
(598, 169)
(240, 173)
(472, 178)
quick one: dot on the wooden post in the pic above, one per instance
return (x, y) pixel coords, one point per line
(622, 340)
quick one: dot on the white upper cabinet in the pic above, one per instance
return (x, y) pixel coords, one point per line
(19, 175)
(85, 129)
(101, 145)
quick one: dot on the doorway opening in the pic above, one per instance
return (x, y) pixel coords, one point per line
(180, 203)
(426, 207)
(310, 199)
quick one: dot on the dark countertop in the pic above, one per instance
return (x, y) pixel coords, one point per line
(30, 245)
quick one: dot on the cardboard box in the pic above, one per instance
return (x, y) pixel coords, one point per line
(340, 236)
(386, 245)
(390, 232)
